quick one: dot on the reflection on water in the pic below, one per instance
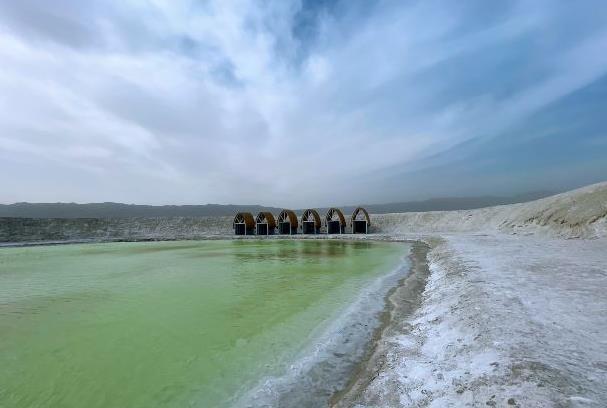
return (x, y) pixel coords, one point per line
(298, 250)
(181, 323)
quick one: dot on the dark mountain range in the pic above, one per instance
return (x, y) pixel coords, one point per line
(117, 210)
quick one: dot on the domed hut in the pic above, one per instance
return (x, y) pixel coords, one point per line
(360, 221)
(287, 222)
(335, 221)
(244, 224)
(265, 223)
(310, 222)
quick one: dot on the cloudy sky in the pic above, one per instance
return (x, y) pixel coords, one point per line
(297, 102)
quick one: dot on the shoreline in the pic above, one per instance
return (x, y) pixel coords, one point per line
(343, 346)
(401, 302)
(407, 288)
(425, 354)
(499, 278)
(219, 237)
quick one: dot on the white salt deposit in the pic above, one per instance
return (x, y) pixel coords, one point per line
(514, 312)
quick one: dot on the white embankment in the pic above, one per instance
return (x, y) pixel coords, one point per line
(581, 213)
(514, 312)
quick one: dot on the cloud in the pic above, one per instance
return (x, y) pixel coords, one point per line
(287, 102)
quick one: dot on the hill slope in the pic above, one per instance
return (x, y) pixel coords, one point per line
(580, 213)
(118, 210)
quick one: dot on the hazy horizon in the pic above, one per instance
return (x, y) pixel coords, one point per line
(516, 195)
(124, 210)
(299, 103)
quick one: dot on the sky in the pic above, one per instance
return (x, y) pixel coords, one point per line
(299, 103)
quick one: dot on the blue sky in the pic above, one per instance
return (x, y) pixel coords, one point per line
(299, 103)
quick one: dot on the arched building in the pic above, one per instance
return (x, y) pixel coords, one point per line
(287, 222)
(335, 221)
(244, 224)
(360, 221)
(310, 222)
(265, 223)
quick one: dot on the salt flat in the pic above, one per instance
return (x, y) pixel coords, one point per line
(516, 319)
(514, 312)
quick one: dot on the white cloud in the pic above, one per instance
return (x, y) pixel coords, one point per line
(182, 102)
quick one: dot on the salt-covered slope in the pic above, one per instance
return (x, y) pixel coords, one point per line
(505, 321)
(579, 213)
(514, 312)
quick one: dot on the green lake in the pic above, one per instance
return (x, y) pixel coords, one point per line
(189, 323)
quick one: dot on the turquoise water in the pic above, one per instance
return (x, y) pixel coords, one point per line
(177, 324)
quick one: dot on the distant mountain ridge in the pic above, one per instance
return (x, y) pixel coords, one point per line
(118, 210)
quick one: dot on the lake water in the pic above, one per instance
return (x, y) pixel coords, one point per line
(179, 324)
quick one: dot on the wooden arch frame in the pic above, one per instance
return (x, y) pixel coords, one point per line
(244, 224)
(310, 222)
(335, 221)
(360, 226)
(287, 222)
(265, 223)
